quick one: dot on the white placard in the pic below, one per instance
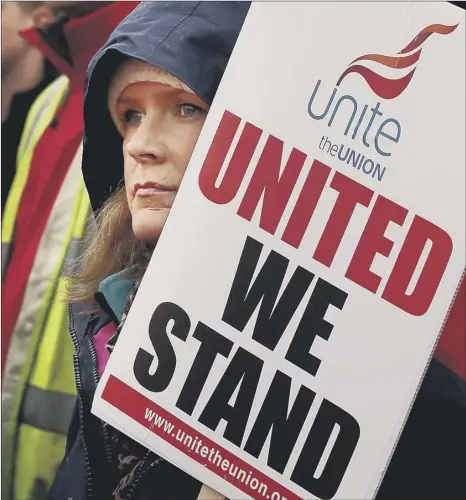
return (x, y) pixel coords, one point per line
(296, 295)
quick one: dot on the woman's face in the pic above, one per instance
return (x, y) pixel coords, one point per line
(160, 120)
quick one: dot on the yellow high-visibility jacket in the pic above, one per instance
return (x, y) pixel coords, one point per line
(38, 387)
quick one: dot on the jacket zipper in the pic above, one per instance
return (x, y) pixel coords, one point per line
(95, 372)
(77, 378)
(103, 304)
(101, 301)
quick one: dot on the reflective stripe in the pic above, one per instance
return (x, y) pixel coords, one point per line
(57, 91)
(32, 129)
(73, 252)
(86, 225)
(6, 254)
(85, 220)
(47, 410)
(39, 116)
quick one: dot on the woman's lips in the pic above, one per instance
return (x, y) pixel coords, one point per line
(152, 188)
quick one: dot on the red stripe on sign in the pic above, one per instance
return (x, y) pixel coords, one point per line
(192, 443)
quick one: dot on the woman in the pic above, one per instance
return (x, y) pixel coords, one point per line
(148, 93)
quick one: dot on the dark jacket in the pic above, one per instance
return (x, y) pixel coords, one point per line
(193, 41)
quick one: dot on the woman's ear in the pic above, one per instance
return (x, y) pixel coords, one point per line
(42, 16)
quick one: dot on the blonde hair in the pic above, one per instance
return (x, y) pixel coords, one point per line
(112, 248)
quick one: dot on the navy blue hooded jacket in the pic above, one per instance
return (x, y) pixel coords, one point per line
(193, 41)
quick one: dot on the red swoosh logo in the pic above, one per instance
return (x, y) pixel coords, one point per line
(383, 87)
(423, 35)
(388, 88)
(391, 61)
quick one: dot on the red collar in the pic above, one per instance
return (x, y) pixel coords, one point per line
(85, 36)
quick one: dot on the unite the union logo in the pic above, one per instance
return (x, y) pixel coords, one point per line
(388, 88)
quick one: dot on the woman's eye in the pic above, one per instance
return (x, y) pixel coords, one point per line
(131, 115)
(188, 110)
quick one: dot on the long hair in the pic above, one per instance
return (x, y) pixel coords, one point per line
(111, 248)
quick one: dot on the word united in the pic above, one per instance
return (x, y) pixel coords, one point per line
(260, 298)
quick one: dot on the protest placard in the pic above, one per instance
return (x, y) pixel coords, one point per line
(299, 287)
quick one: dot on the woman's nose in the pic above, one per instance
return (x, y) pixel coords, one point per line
(146, 146)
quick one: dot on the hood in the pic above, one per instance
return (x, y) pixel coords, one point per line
(191, 40)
